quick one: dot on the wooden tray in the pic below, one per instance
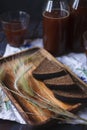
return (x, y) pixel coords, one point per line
(35, 55)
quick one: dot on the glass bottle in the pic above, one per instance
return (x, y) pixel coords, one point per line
(56, 26)
(78, 23)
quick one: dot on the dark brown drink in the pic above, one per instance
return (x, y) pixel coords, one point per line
(55, 31)
(15, 25)
(78, 25)
(15, 33)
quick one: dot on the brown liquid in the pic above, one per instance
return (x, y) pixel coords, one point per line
(55, 31)
(78, 25)
(15, 33)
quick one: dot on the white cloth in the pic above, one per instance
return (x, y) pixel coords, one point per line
(77, 63)
(11, 50)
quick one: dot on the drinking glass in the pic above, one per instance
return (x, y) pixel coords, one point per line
(56, 26)
(15, 26)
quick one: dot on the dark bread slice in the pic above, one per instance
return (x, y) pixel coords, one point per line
(62, 83)
(48, 69)
(76, 96)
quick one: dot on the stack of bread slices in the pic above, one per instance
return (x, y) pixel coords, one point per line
(60, 81)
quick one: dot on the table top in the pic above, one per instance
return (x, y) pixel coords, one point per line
(10, 125)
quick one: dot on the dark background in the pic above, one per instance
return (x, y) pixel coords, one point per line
(33, 7)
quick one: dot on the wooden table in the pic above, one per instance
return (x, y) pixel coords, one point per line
(10, 125)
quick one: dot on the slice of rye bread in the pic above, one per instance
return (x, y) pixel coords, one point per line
(48, 69)
(75, 96)
(63, 83)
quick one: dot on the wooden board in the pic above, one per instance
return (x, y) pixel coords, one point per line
(34, 56)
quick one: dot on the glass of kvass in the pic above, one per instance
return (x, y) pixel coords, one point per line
(15, 26)
(56, 27)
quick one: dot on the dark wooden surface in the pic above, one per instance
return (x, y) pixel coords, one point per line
(8, 125)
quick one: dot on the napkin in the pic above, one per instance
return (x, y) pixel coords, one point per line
(12, 50)
(77, 63)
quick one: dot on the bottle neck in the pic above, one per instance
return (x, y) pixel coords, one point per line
(56, 4)
(74, 4)
(49, 6)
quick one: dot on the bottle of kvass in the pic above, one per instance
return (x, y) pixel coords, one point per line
(56, 26)
(78, 23)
